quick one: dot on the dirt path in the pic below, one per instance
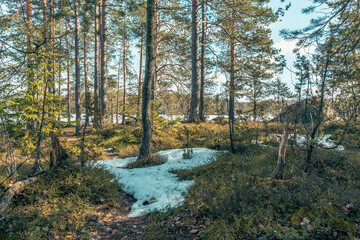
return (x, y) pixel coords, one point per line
(116, 224)
(112, 223)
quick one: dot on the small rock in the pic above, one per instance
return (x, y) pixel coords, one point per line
(305, 222)
(152, 199)
(350, 206)
(309, 228)
(194, 231)
(111, 154)
(108, 150)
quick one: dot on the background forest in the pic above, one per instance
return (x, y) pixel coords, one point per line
(88, 80)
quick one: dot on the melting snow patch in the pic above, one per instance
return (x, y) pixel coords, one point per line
(323, 141)
(156, 188)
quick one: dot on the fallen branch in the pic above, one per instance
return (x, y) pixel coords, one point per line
(10, 193)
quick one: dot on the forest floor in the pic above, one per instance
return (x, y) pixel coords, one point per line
(232, 198)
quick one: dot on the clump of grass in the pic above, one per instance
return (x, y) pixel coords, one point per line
(234, 198)
(60, 204)
(148, 162)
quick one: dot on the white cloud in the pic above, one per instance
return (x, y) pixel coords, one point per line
(287, 47)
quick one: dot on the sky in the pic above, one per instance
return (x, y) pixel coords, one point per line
(292, 20)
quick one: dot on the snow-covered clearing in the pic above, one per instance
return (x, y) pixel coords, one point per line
(156, 188)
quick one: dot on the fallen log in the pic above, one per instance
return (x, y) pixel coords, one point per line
(12, 191)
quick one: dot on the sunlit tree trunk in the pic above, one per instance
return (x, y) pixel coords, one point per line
(140, 72)
(96, 66)
(194, 104)
(202, 68)
(145, 151)
(77, 71)
(103, 47)
(124, 67)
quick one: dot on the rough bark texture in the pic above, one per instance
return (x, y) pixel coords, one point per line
(58, 155)
(124, 67)
(202, 68)
(194, 104)
(103, 62)
(232, 93)
(29, 22)
(279, 170)
(87, 94)
(11, 192)
(77, 71)
(68, 74)
(145, 152)
(156, 49)
(140, 72)
(96, 67)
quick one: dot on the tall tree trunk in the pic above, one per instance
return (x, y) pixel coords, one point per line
(232, 93)
(145, 148)
(124, 66)
(194, 104)
(68, 74)
(156, 49)
(77, 71)
(140, 73)
(103, 64)
(279, 170)
(30, 75)
(96, 67)
(87, 94)
(118, 94)
(202, 68)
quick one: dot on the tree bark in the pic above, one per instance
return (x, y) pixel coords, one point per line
(96, 67)
(140, 72)
(145, 148)
(77, 71)
(124, 67)
(87, 94)
(156, 49)
(11, 192)
(68, 74)
(232, 93)
(31, 87)
(103, 64)
(279, 170)
(118, 93)
(202, 68)
(194, 104)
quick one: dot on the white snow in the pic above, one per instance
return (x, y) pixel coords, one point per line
(156, 186)
(322, 141)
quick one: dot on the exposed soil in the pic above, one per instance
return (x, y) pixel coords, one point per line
(116, 224)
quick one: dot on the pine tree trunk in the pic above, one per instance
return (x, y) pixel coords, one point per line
(194, 104)
(31, 87)
(156, 49)
(68, 74)
(140, 73)
(103, 64)
(96, 67)
(202, 68)
(279, 170)
(124, 67)
(232, 93)
(77, 71)
(118, 94)
(87, 94)
(145, 151)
